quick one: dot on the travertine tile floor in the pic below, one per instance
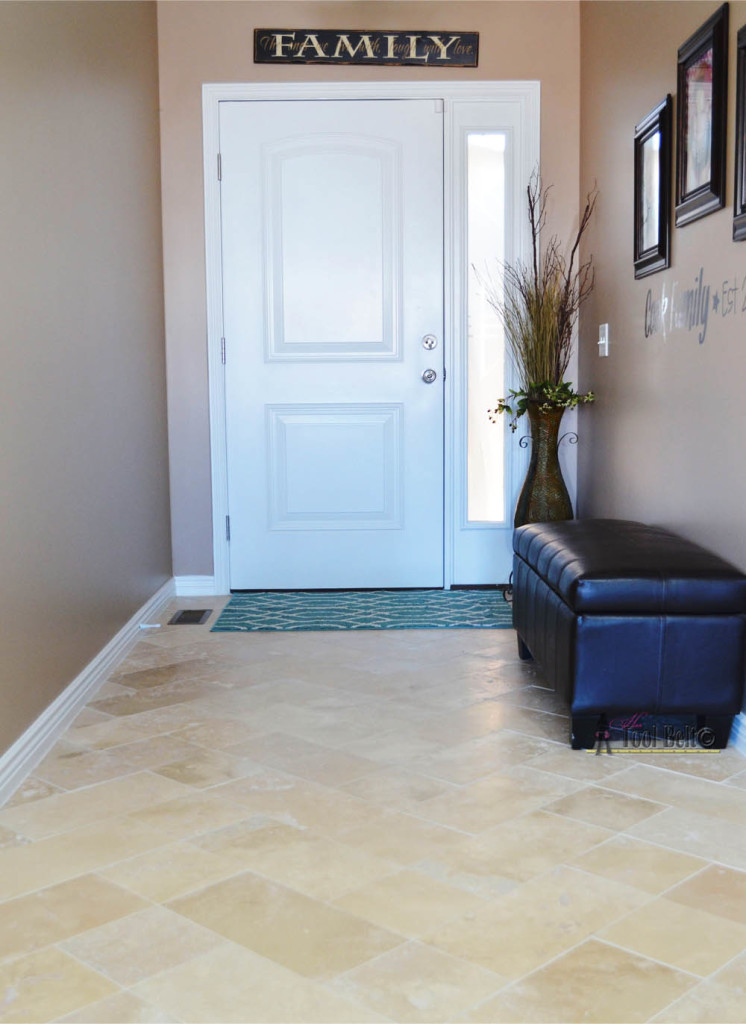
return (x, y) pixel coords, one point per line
(363, 827)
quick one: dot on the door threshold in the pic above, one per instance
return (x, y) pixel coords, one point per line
(324, 590)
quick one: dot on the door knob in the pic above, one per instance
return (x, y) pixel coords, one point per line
(429, 376)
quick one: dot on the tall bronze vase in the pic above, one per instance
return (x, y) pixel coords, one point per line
(544, 495)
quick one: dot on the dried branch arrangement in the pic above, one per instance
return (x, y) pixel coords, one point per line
(538, 305)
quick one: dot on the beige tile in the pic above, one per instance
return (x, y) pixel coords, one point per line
(149, 655)
(171, 871)
(611, 810)
(542, 918)
(717, 766)
(470, 723)
(394, 747)
(733, 974)
(146, 943)
(531, 845)
(122, 1008)
(639, 864)
(583, 765)
(53, 914)
(179, 671)
(717, 890)
(156, 750)
(418, 983)
(71, 769)
(297, 802)
(467, 762)
(535, 698)
(537, 724)
(594, 982)
(673, 933)
(207, 768)
(396, 789)
(250, 838)
(487, 886)
(309, 937)
(66, 811)
(560, 785)
(451, 694)
(217, 733)
(49, 861)
(191, 815)
(409, 903)
(297, 858)
(683, 791)
(87, 717)
(149, 700)
(696, 834)
(436, 753)
(112, 732)
(485, 804)
(112, 689)
(310, 760)
(232, 984)
(336, 767)
(401, 838)
(8, 838)
(739, 781)
(46, 985)
(719, 1000)
(30, 789)
(708, 1003)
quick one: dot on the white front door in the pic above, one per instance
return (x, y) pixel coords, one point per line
(332, 235)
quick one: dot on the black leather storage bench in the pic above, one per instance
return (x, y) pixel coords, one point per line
(626, 618)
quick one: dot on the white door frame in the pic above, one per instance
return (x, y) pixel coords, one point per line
(524, 96)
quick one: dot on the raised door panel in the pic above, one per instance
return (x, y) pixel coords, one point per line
(332, 248)
(334, 467)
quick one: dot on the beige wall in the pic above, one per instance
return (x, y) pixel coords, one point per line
(212, 42)
(665, 441)
(83, 459)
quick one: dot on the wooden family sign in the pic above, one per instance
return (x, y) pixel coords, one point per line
(333, 46)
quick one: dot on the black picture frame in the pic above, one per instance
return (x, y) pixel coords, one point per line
(652, 192)
(739, 193)
(701, 104)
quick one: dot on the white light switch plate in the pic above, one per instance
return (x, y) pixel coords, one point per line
(603, 339)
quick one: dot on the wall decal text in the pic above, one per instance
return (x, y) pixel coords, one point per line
(689, 308)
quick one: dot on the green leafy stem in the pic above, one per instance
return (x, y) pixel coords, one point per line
(544, 396)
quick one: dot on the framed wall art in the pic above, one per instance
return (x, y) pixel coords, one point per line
(739, 204)
(700, 122)
(652, 192)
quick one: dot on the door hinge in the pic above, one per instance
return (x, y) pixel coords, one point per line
(227, 527)
(439, 105)
(220, 167)
(222, 351)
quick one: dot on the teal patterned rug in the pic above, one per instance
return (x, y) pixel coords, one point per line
(276, 611)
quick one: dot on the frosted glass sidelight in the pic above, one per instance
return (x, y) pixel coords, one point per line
(486, 349)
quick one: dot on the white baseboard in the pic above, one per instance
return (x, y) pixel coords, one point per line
(738, 733)
(195, 586)
(34, 744)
